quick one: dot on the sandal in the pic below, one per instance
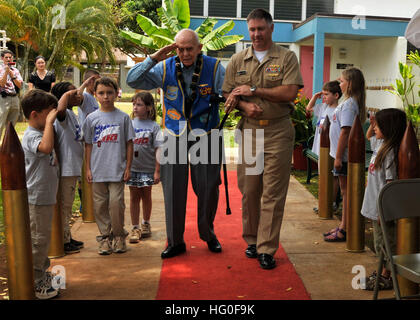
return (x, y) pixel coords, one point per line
(326, 234)
(335, 237)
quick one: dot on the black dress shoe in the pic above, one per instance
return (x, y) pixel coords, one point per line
(266, 261)
(214, 245)
(172, 251)
(251, 251)
(78, 244)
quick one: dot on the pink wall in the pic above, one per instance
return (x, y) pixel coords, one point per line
(307, 67)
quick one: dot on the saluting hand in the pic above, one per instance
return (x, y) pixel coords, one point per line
(52, 115)
(75, 97)
(164, 52)
(89, 81)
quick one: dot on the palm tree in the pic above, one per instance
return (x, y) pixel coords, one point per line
(175, 17)
(88, 27)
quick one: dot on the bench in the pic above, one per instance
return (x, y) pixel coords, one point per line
(311, 156)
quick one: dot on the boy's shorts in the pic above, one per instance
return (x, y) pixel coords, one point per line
(342, 171)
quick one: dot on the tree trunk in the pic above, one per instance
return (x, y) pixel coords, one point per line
(58, 46)
(26, 51)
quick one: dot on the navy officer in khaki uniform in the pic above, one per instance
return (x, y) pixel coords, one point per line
(262, 81)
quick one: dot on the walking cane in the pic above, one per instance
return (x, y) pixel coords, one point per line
(228, 211)
(218, 100)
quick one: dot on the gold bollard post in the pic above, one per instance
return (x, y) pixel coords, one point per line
(356, 188)
(407, 229)
(87, 197)
(325, 197)
(16, 218)
(56, 249)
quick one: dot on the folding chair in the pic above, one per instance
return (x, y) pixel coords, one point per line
(398, 199)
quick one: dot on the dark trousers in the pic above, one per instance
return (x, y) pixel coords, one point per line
(205, 180)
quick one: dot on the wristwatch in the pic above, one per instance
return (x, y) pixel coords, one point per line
(253, 88)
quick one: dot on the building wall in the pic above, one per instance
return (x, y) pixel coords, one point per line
(382, 8)
(123, 77)
(352, 48)
(377, 58)
(379, 63)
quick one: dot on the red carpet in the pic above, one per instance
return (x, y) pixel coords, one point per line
(202, 275)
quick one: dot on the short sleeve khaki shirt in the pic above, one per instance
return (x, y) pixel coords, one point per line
(279, 67)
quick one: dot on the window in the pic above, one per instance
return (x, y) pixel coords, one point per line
(196, 7)
(411, 47)
(288, 10)
(319, 6)
(222, 8)
(223, 53)
(249, 5)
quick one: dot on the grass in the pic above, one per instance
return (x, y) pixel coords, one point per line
(301, 177)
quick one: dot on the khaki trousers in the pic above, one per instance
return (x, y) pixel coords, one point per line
(264, 194)
(41, 221)
(9, 111)
(109, 207)
(67, 192)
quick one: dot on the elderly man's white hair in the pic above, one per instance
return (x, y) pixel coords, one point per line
(192, 32)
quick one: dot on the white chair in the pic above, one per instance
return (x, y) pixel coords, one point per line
(398, 199)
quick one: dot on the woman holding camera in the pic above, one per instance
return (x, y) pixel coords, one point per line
(41, 78)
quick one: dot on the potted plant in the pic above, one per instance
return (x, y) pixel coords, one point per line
(407, 90)
(302, 122)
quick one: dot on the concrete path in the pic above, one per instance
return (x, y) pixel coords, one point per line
(325, 268)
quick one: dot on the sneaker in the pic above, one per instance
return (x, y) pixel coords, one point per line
(70, 248)
(135, 235)
(146, 229)
(105, 247)
(384, 283)
(78, 244)
(50, 277)
(44, 290)
(119, 245)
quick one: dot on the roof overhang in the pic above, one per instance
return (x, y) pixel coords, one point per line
(349, 27)
(336, 26)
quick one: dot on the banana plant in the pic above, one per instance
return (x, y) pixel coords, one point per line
(404, 89)
(175, 17)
